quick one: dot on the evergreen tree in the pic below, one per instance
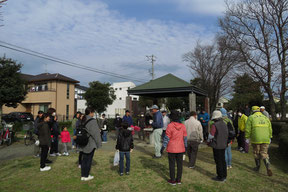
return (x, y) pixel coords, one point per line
(246, 91)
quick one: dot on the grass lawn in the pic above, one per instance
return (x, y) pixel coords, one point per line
(146, 174)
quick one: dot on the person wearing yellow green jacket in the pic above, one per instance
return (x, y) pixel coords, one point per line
(241, 126)
(258, 131)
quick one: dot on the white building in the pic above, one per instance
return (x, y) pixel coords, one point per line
(222, 101)
(80, 102)
(119, 104)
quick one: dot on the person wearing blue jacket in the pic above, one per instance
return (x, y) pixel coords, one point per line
(127, 118)
(157, 130)
(204, 118)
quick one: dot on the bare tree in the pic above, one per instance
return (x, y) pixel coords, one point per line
(259, 31)
(212, 64)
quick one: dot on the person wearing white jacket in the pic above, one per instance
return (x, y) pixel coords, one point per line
(194, 137)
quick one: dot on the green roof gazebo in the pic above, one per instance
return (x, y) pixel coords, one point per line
(170, 86)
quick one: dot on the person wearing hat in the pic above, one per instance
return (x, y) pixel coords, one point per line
(127, 118)
(157, 125)
(217, 139)
(231, 135)
(37, 121)
(242, 119)
(264, 112)
(258, 131)
(176, 142)
(166, 122)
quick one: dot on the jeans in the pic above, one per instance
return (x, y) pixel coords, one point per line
(192, 149)
(219, 158)
(228, 155)
(104, 136)
(157, 133)
(163, 134)
(74, 133)
(44, 153)
(86, 163)
(178, 157)
(121, 162)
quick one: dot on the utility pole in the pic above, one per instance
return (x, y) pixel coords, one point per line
(152, 59)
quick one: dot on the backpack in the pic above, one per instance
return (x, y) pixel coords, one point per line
(231, 132)
(82, 135)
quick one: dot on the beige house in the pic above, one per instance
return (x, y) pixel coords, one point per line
(45, 91)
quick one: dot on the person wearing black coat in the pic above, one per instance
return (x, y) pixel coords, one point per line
(124, 146)
(44, 135)
(117, 124)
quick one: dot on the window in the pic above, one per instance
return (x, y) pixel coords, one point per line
(67, 112)
(68, 90)
(39, 87)
(43, 107)
(134, 98)
(120, 98)
(120, 88)
(115, 89)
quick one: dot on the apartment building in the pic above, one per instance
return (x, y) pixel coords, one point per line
(48, 90)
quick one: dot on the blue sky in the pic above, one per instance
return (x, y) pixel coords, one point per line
(112, 35)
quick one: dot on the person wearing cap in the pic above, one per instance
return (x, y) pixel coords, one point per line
(258, 131)
(141, 124)
(104, 128)
(194, 137)
(231, 135)
(242, 119)
(204, 118)
(217, 139)
(157, 125)
(117, 124)
(166, 121)
(264, 112)
(176, 142)
(127, 118)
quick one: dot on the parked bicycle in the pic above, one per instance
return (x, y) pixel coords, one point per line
(5, 136)
(29, 138)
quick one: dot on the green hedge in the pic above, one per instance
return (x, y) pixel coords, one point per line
(283, 141)
(110, 124)
(276, 126)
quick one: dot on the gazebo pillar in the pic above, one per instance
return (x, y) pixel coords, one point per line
(192, 102)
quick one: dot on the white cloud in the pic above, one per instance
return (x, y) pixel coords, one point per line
(91, 34)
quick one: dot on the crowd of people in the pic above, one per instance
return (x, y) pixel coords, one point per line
(178, 135)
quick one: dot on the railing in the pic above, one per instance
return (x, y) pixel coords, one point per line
(32, 90)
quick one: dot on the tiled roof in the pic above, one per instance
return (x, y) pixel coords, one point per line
(47, 77)
(81, 87)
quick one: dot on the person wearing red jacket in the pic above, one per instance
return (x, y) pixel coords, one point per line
(65, 139)
(176, 142)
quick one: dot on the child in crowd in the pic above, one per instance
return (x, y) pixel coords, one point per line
(125, 146)
(65, 139)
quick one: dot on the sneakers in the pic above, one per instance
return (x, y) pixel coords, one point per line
(46, 168)
(178, 182)
(65, 154)
(73, 147)
(121, 174)
(90, 177)
(52, 155)
(58, 154)
(127, 173)
(172, 182)
(230, 166)
(191, 167)
(156, 157)
(79, 166)
(37, 155)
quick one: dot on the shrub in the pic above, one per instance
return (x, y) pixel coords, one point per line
(283, 140)
(276, 126)
(110, 124)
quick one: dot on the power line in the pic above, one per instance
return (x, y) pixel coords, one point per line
(64, 62)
